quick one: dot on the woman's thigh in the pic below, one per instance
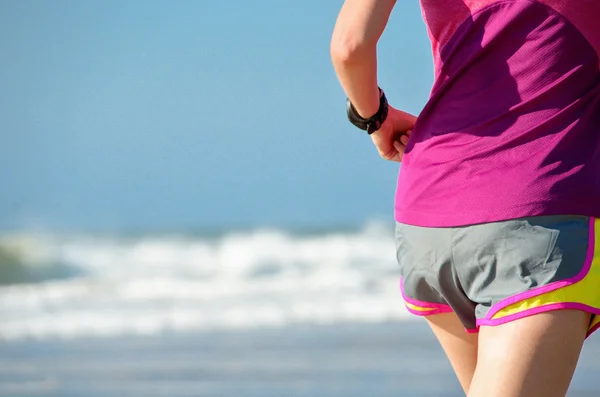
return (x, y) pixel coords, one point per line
(459, 346)
(524, 283)
(533, 356)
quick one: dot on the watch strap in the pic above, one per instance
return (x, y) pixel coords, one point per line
(373, 123)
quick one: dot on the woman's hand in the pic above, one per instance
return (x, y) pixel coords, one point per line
(391, 139)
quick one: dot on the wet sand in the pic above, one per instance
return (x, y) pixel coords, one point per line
(401, 359)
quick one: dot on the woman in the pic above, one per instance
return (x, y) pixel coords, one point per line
(499, 191)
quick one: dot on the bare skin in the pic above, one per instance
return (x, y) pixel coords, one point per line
(533, 356)
(391, 139)
(530, 357)
(354, 56)
(459, 346)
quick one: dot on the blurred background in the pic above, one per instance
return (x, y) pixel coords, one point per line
(185, 210)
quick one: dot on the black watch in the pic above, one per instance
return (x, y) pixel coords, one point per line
(373, 123)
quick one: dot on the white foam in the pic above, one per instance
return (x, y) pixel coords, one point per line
(149, 285)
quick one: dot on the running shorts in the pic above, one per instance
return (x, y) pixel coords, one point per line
(493, 273)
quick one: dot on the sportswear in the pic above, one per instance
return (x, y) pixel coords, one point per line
(493, 273)
(512, 125)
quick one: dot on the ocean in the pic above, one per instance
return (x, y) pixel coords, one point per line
(248, 313)
(78, 285)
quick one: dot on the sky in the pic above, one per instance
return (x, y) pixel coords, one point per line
(160, 115)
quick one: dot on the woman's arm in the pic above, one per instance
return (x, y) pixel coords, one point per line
(354, 50)
(354, 54)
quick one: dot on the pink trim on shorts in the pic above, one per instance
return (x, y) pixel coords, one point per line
(549, 287)
(475, 330)
(542, 309)
(441, 308)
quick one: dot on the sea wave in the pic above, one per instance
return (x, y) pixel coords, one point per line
(83, 285)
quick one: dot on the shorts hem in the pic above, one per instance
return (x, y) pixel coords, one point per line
(592, 330)
(427, 307)
(429, 312)
(543, 309)
(587, 265)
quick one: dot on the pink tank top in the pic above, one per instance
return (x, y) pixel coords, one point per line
(512, 126)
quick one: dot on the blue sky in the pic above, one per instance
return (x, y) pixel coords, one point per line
(119, 115)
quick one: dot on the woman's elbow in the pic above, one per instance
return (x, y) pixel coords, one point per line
(346, 47)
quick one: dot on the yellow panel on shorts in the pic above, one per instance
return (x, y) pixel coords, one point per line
(595, 322)
(586, 291)
(419, 309)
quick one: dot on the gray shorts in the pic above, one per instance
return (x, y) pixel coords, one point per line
(493, 273)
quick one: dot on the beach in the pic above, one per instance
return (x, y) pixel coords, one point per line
(257, 313)
(351, 360)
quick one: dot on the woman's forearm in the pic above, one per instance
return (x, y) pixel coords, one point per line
(354, 50)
